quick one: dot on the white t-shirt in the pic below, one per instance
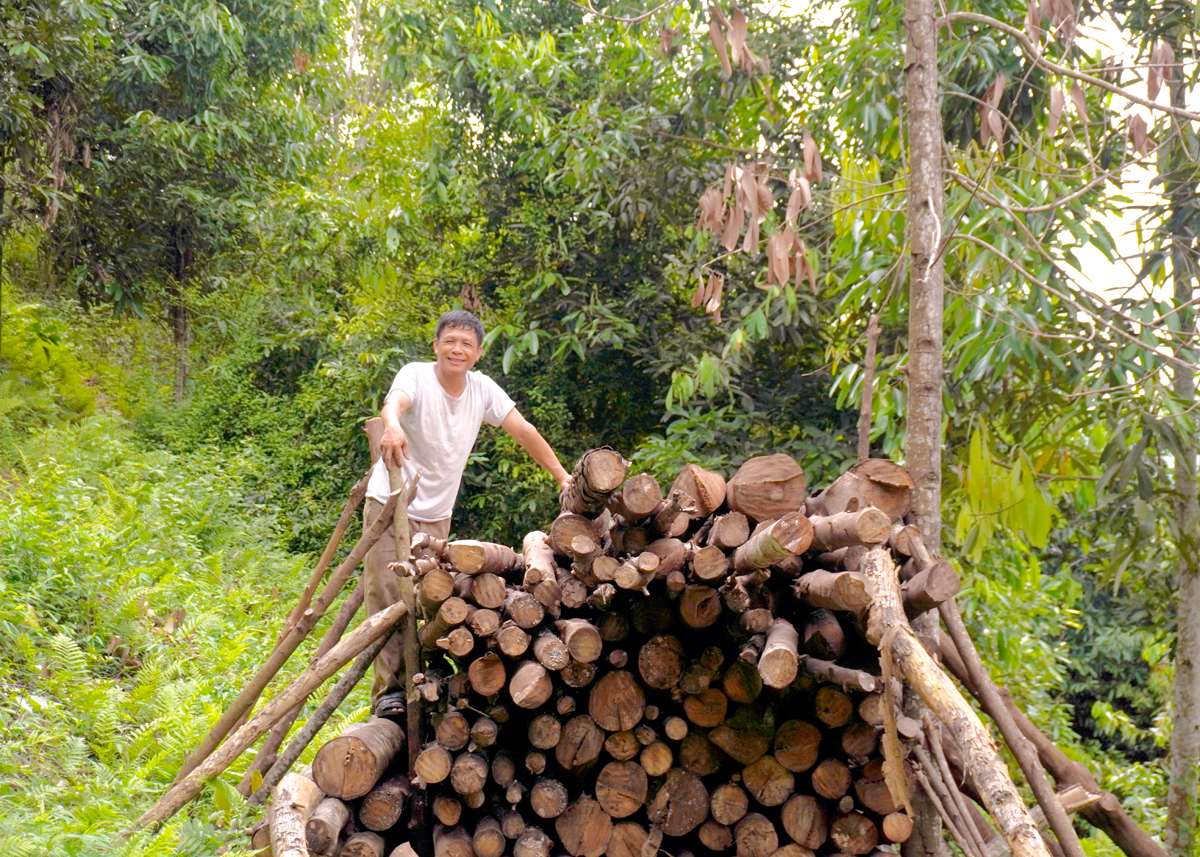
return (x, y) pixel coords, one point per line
(441, 432)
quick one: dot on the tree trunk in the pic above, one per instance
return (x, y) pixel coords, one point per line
(1183, 790)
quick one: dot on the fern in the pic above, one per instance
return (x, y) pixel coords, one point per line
(68, 659)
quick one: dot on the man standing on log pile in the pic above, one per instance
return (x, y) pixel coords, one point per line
(431, 417)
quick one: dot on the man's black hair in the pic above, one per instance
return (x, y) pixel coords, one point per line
(460, 318)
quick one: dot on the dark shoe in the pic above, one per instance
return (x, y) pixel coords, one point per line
(391, 706)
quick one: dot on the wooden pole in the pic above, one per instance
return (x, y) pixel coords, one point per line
(888, 629)
(305, 683)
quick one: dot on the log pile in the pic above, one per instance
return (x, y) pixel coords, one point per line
(683, 669)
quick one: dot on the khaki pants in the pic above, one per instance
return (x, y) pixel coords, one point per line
(383, 590)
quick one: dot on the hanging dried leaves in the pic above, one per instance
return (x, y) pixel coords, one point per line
(812, 159)
(991, 126)
(1033, 22)
(1080, 102)
(713, 294)
(718, 39)
(803, 268)
(712, 211)
(1062, 15)
(737, 35)
(749, 197)
(1139, 135)
(733, 227)
(779, 246)
(666, 41)
(1056, 106)
(1162, 68)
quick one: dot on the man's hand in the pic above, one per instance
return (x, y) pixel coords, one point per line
(392, 445)
(564, 481)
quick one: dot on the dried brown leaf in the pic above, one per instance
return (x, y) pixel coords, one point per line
(748, 194)
(666, 40)
(766, 199)
(794, 204)
(997, 127)
(1162, 68)
(750, 241)
(812, 159)
(730, 177)
(995, 92)
(701, 294)
(716, 290)
(737, 35)
(718, 40)
(749, 59)
(1033, 22)
(1056, 106)
(805, 192)
(715, 11)
(712, 211)
(1139, 135)
(778, 246)
(1080, 101)
(733, 228)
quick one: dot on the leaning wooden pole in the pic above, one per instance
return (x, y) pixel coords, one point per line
(250, 693)
(888, 629)
(304, 684)
(1021, 746)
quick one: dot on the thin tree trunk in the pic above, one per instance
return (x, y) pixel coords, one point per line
(923, 445)
(1182, 791)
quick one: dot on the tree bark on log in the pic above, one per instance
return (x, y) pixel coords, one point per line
(637, 499)
(475, 557)
(869, 526)
(597, 474)
(341, 654)
(705, 487)
(539, 559)
(767, 487)
(834, 590)
(888, 629)
(381, 807)
(789, 536)
(351, 764)
(296, 797)
(324, 826)
(875, 482)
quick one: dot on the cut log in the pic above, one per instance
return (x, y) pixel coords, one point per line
(854, 834)
(469, 773)
(823, 635)
(324, 826)
(797, 745)
(671, 553)
(767, 487)
(460, 642)
(349, 766)
(573, 590)
(548, 798)
(487, 674)
(569, 525)
(656, 758)
(872, 790)
(452, 612)
(597, 474)
(447, 810)
(770, 782)
(896, 827)
(867, 526)
(583, 640)
(705, 487)
(875, 482)
(580, 743)
(544, 731)
(699, 606)
(698, 755)
(504, 769)
(709, 564)
(627, 840)
(474, 557)
(539, 559)
(453, 731)
(433, 763)
(660, 662)
(535, 761)
(731, 531)
(755, 836)
(512, 824)
(382, 806)
(512, 640)
(707, 708)
(673, 517)
(452, 842)
(524, 609)
(621, 788)
(366, 844)
(769, 544)
(622, 746)
(779, 662)
(929, 588)
(834, 590)
(530, 686)
(832, 706)
(742, 683)
(680, 805)
(741, 591)
(551, 652)
(484, 623)
(859, 741)
(729, 803)
(488, 839)
(805, 820)
(637, 499)
(578, 674)
(584, 828)
(533, 842)
(831, 779)
(436, 586)
(484, 590)
(715, 836)
(617, 702)
(746, 736)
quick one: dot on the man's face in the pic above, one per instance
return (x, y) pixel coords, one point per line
(457, 350)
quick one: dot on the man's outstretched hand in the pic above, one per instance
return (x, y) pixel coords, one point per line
(393, 445)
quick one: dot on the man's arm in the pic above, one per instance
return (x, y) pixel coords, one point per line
(532, 441)
(394, 443)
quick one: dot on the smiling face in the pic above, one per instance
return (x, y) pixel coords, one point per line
(457, 350)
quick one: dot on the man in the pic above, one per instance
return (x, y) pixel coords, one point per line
(431, 417)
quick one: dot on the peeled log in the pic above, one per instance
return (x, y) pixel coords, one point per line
(295, 799)
(767, 487)
(324, 827)
(755, 836)
(474, 557)
(704, 487)
(597, 474)
(350, 765)
(680, 805)
(875, 482)
(617, 702)
(869, 526)
(621, 788)
(886, 622)
(779, 662)
(382, 806)
(834, 590)
(584, 828)
(790, 535)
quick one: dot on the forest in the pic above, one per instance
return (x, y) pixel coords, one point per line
(696, 233)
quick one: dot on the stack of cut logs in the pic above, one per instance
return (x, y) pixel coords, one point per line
(686, 673)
